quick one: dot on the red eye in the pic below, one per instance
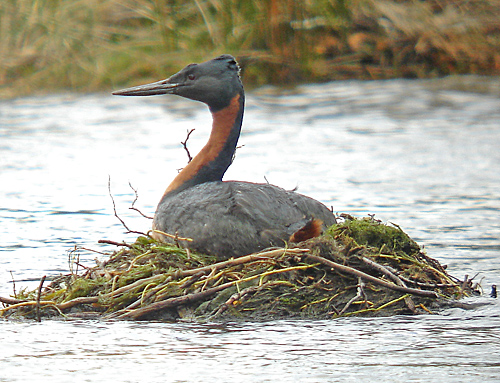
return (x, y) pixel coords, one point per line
(191, 76)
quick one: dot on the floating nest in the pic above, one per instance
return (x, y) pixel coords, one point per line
(358, 268)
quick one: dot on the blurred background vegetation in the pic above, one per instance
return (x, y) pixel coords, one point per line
(93, 45)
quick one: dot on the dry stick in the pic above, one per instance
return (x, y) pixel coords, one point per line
(116, 214)
(138, 301)
(238, 261)
(464, 285)
(38, 296)
(175, 237)
(371, 309)
(421, 264)
(92, 251)
(12, 301)
(174, 302)
(184, 145)
(241, 294)
(135, 200)
(15, 303)
(359, 295)
(427, 285)
(236, 297)
(370, 278)
(114, 243)
(76, 301)
(13, 284)
(24, 304)
(421, 284)
(409, 302)
(60, 306)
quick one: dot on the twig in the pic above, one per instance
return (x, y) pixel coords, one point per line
(132, 264)
(184, 145)
(427, 285)
(11, 301)
(464, 285)
(419, 263)
(135, 200)
(13, 283)
(240, 296)
(174, 302)
(71, 260)
(38, 296)
(370, 278)
(373, 309)
(409, 302)
(76, 302)
(77, 262)
(140, 300)
(238, 261)
(107, 241)
(116, 214)
(92, 250)
(175, 237)
(359, 294)
(236, 297)
(24, 304)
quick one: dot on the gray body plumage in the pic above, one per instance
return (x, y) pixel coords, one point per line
(231, 219)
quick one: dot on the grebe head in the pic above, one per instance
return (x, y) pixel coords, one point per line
(213, 82)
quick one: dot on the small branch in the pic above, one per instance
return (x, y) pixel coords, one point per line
(174, 237)
(383, 270)
(13, 283)
(370, 278)
(174, 302)
(38, 296)
(76, 301)
(372, 309)
(92, 251)
(359, 294)
(238, 296)
(184, 145)
(135, 200)
(409, 302)
(11, 301)
(108, 242)
(427, 285)
(116, 214)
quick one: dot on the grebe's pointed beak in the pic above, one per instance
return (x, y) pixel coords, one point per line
(154, 88)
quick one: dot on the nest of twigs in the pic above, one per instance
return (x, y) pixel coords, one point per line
(360, 267)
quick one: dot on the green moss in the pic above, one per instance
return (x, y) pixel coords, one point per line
(81, 287)
(371, 233)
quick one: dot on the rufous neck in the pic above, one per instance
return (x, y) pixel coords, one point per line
(212, 161)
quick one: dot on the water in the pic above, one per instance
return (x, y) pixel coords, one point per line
(422, 154)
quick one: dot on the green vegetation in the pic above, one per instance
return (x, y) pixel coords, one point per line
(360, 267)
(92, 45)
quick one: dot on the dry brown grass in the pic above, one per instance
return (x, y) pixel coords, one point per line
(93, 45)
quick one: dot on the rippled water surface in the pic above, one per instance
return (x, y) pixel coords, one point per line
(422, 154)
